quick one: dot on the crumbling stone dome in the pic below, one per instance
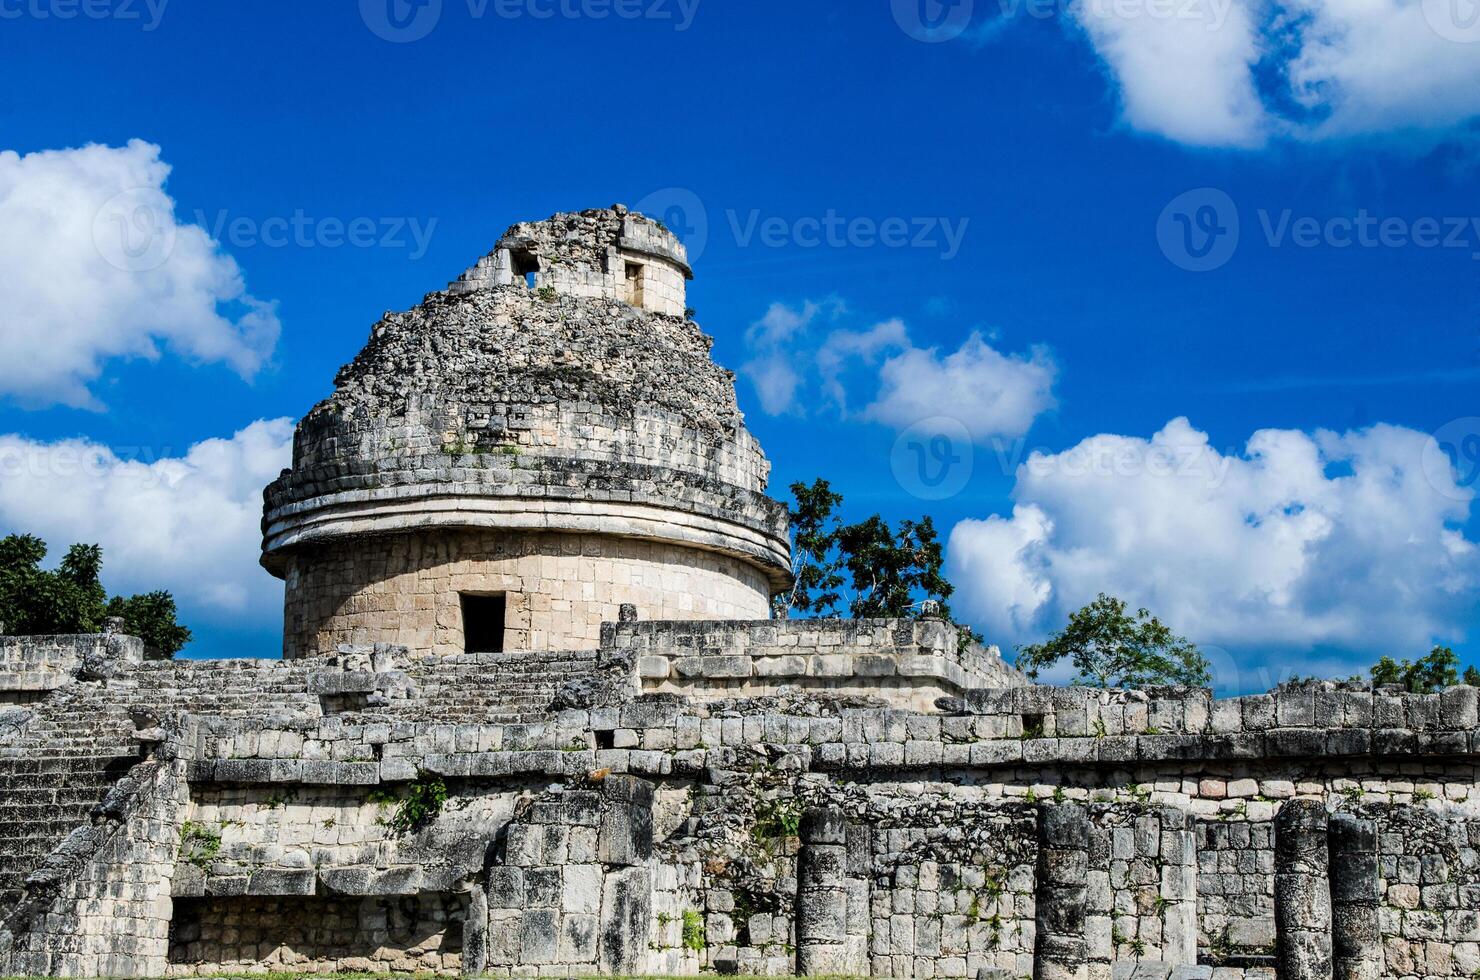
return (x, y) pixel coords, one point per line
(550, 433)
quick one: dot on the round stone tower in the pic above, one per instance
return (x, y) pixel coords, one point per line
(508, 463)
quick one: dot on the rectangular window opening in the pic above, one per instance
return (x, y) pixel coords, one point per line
(526, 267)
(483, 622)
(634, 283)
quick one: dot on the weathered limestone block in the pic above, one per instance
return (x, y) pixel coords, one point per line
(1355, 899)
(822, 894)
(1062, 952)
(626, 833)
(1302, 891)
(626, 914)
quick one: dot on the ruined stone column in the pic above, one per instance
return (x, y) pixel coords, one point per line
(475, 934)
(1061, 951)
(624, 844)
(822, 894)
(1302, 893)
(1356, 940)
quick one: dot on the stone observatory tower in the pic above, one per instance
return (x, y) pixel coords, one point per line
(508, 463)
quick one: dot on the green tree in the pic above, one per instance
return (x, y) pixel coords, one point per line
(1109, 647)
(71, 599)
(1438, 670)
(876, 571)
(151, 617)
(814, 558)
(893, 574)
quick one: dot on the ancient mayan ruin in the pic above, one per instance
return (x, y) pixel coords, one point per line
(533, 719)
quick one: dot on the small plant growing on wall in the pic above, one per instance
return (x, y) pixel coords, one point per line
(693, 931)
(776, 820)
(423, 802)
(199, 844)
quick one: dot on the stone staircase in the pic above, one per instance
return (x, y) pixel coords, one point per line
(494, 688)
(53, 771)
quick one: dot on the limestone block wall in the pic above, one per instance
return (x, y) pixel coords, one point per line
(570, 890)
(296, 839)
(586, 255)
(1142, 886)
(911, 662)
(30, 666)
(1427, 885)
(405, 589)
(1235, 884)
(100, 905)
(421, 933)
(950, 890)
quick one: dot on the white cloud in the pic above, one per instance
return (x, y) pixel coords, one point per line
(991, 393)
(844, 347)
(773, 370)
(1191, 71)
(94, 265)
(1190, 78)
(188, 524)
(1300, 540)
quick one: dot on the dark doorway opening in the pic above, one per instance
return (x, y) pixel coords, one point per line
(483, 623)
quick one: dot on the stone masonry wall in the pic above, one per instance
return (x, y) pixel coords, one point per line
(1428, 888)
(33, 665)
(588, 255)
(785, 832)
(420, 933)
(922, 659)
(100, 903)
(1235, 885)
(560, 587)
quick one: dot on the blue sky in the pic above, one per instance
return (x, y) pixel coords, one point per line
(1070, 177)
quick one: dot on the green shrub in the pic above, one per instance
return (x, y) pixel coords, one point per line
(693, 931)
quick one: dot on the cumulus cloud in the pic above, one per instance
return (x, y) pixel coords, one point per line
(1189, 78)
(189, 524)
(1238, 72)
(94, 265)
(991, 393)
(773, 369)
(1296, 542)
